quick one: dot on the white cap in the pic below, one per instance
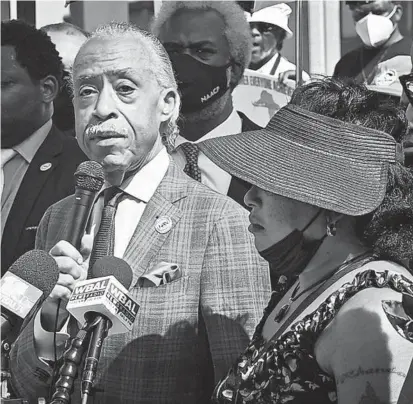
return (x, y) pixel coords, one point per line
(387, 73)
(276, 15)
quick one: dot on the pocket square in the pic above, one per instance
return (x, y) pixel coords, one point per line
(161, 274)
(32, 228)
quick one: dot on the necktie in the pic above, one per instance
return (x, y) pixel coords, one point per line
(6, 155)
(191, 151)
(103, 244)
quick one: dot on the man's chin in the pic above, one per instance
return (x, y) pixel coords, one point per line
(114, 162)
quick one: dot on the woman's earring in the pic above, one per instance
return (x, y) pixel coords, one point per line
(331, 229)
(331, 224)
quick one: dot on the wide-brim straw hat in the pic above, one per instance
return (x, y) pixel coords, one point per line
(311, 158)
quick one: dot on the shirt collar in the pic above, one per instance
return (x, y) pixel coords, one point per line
(266, 68)
(28, 148)
(144, 183)
(231, 126)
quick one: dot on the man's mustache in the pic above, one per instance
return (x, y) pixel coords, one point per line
(95, 130)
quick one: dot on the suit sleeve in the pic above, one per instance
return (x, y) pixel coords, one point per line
(235, 289)
(42, 230)
(31, 376)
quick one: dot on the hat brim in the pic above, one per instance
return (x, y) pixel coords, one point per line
(394, 91)
(270, 161)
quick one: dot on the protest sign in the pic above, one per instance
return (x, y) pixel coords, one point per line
(260, 96)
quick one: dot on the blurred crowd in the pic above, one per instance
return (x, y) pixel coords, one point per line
(327, 185)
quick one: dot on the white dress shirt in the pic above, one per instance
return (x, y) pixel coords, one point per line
(212, 176)
(283, 67)
(138, 190)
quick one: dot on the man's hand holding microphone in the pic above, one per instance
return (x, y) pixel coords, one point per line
(73, 267)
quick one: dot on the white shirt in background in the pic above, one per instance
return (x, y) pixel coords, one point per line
(283, 67)
(212, 176)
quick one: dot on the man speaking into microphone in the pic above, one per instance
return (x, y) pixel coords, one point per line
(200, 285)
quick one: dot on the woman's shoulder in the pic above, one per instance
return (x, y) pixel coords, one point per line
(383, 265)
(371, 278)
(370, 319)
(373, 283)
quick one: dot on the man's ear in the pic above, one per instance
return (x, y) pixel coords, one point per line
(50, 88)
(398, 14)
(236, 72)
(169, 104)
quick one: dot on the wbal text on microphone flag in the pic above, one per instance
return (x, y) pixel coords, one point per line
(108, 297)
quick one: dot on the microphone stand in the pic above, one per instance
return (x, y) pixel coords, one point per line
(6, 376)
(5, 368)
(71, 361)
(99, 334)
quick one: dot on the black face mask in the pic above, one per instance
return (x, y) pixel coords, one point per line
(292, 254)
(200, 84)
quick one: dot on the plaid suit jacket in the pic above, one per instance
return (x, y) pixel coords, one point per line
(188, 332)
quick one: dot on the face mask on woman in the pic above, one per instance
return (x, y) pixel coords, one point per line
(292, 254)
(374, 30)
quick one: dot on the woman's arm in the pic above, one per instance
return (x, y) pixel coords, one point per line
(364, 352)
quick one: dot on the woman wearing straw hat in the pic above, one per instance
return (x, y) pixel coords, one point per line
(331, 201)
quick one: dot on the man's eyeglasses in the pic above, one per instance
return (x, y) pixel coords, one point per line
(262, 27)
(407, 84)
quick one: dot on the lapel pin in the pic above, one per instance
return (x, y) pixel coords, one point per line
(163, 224)
(45, 166)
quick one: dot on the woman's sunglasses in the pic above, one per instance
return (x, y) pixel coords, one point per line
(262, 27)
(407, 84)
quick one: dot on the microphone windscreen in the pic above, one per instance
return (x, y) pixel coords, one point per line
(114, 266)
(37, 268)
(89, 176)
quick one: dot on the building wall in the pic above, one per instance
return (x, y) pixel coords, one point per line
(5, 10)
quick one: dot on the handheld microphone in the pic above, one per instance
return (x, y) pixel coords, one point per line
(106, 294)
(27, 283)
(89, 180)
(104, 302)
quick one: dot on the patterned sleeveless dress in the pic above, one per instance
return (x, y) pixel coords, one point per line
(286, 370)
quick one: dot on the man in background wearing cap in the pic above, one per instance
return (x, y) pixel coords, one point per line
(385, 52)
(269, 28)
(209, 44)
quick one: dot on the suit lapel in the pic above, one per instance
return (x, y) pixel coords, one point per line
(148, 239)
(31, 186)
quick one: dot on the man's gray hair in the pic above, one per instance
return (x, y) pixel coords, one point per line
(237, 30)
(160, 65)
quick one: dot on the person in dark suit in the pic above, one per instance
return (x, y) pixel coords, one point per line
(209, 44)
(37, 160)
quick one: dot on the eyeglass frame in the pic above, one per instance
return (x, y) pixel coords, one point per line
(404, 80)
(268, 27)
